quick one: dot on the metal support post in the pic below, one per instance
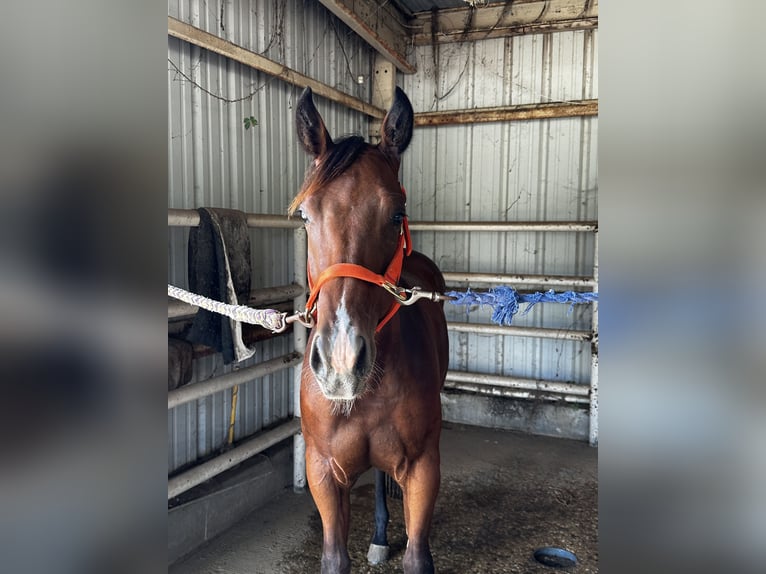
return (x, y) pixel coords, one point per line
(300, 338)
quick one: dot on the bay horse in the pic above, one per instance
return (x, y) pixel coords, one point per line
(373, 369)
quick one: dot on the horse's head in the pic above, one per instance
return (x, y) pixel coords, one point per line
(354, 210)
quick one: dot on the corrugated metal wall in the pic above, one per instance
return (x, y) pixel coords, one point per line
(541, 170)
(214, 161)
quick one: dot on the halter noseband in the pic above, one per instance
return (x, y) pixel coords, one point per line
(388, 280)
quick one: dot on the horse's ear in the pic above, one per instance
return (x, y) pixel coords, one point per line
(396, 133)
(312, 132)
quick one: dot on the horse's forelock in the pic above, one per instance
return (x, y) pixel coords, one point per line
(329, 167)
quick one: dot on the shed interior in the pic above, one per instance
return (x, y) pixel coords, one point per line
(502, 183)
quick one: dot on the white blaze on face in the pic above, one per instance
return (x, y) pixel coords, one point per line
(346, 344)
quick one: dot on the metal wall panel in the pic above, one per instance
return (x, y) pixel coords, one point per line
(535, 170)
(214, 161)
(199, 428)
(541, 170)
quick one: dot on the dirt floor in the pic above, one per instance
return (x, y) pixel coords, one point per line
(503, 495)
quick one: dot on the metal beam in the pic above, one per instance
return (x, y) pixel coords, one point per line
(300, 338)
(379, 24)
(509, 113)
(508, 19)
(209, 469)
(504, 226)
(512, 330)
(190, 218)
(593, 433)
(197, 37)
(512, 393)
(551, 280)
(517, 383)
(196, 391)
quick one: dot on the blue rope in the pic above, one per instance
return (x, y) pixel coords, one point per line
(505, 300)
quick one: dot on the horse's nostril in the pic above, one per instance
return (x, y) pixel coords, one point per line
(316, 358)
(361, 365)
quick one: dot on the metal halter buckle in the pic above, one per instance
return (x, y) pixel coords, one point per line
(412, 296)
(306, 318)
(399, 293)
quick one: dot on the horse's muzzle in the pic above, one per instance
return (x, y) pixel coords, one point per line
(341, 362)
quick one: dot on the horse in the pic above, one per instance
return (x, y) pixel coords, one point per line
(373, 369)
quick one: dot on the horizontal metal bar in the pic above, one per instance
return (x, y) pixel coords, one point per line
(206, 470)
(196, 391)
(267, 296)
(537, 332)
(190, 218)
(503, 392)
(452, 277)
(515, 226)
(534, 385)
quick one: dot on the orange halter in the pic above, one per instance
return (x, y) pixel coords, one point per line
(388, 280)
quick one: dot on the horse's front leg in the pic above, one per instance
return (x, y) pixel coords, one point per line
(420, 487)
(333, 502)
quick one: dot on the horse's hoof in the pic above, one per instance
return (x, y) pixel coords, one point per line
(377, 554)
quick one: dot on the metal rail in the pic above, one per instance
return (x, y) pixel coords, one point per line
(537, 332)
(190, 218)
(196, 391)
(496, 278)
(533, 385)
(504, 226)
(208, 469)
(512, 393)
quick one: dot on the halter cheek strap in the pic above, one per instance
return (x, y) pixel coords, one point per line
(388, 280)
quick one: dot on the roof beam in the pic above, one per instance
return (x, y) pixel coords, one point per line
(192, 35)
(382, 26)
(509, 113)
(498, 20)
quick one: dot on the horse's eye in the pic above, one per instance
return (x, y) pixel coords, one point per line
(303, 216)
(398, 218)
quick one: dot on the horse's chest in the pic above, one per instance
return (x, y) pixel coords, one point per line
(393, 436)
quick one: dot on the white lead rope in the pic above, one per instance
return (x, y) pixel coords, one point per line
(277, 321)
(269, 318)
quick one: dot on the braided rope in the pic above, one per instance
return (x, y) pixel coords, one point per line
(505, 300)
(269, 318)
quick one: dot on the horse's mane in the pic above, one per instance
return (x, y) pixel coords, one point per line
(330, 166)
